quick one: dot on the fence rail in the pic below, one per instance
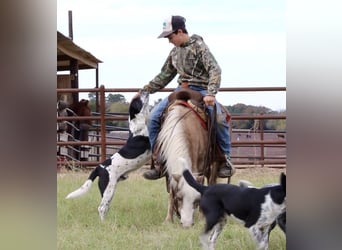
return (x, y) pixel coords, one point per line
(259, 144)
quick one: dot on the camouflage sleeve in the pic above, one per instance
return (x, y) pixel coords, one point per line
(212, 68)
(167, 73)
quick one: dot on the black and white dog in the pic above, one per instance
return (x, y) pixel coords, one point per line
(281, 219)
(257, 208)
(133, 155)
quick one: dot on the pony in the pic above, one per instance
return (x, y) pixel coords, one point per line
(74, 130)
(184, 134)
(81, 108)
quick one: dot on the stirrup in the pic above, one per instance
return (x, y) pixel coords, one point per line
(227, 170)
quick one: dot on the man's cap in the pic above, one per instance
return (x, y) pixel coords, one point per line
(171, 24)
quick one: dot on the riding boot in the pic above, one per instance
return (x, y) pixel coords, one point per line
(227, 169)
(156, 170)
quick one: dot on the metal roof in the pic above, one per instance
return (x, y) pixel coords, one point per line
(67, 50)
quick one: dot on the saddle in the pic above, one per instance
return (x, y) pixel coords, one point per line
(194, 100)
(191, 99)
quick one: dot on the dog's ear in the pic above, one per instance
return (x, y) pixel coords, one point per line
(283, 181)
(134, 107)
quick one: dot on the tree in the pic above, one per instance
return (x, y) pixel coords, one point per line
(111, 98)
(91, 96)
(92, 101)
(118, 107)
(241, 108)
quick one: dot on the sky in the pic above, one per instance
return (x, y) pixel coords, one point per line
(247, 38)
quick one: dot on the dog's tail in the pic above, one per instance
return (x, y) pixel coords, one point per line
(192, 182)
(87, 184)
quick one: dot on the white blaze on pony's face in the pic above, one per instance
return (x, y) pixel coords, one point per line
(189, 203)
(187, 198)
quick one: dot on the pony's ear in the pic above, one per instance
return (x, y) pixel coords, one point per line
(84, 101)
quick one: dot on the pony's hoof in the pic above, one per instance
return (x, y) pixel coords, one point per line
(152, 174)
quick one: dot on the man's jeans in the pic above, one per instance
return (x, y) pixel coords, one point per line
(222, 128)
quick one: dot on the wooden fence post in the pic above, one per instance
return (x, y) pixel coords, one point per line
(103, 122)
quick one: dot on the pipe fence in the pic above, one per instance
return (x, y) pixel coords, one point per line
(250, 147)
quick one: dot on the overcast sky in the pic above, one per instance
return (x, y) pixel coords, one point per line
(247, 38)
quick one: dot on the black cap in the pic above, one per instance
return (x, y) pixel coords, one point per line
(171, 24)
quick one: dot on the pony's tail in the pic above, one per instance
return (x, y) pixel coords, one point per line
(86, 186)
(193, 183)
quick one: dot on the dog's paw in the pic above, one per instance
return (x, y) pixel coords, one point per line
(102, 212)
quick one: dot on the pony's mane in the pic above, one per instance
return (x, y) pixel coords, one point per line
(176, 138)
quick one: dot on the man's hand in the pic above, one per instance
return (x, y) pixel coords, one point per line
(209, 100)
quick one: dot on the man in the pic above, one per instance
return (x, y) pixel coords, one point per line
(197, 70)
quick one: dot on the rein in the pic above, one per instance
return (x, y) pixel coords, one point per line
(211, 141)
(186, 104)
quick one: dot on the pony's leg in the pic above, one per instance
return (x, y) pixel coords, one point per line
(170, 209)
(108, 194)
(213, 173)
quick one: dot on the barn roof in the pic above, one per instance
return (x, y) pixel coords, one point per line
(67, 50)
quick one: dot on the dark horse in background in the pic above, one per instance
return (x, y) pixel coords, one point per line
(74, 130)
(184, 142)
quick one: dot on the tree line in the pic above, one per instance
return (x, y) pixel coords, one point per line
(117, 103)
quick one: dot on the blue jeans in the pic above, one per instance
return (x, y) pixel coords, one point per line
(222, 128)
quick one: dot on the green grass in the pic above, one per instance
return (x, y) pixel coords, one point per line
(136, 217)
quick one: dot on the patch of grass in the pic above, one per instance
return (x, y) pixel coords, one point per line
(137, 213)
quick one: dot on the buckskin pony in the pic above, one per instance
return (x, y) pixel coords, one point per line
(184, 134)
(76, 130)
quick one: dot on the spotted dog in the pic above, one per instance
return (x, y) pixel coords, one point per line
(281, 219)
(133, 155)
(257, 208)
